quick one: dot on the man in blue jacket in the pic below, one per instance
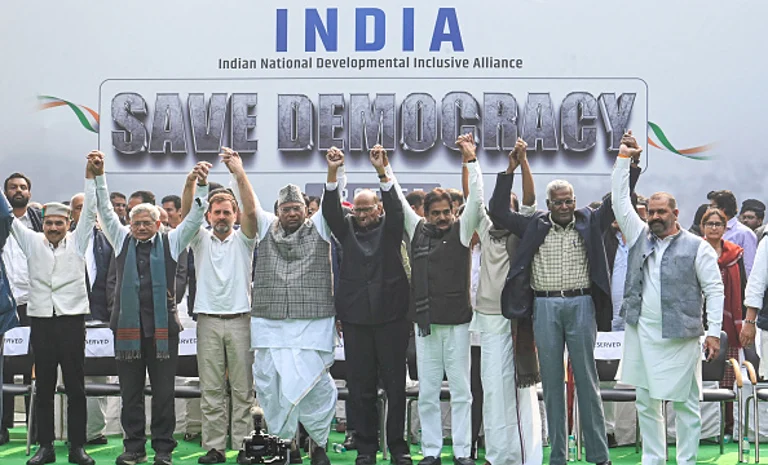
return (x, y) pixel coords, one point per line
(559, 274)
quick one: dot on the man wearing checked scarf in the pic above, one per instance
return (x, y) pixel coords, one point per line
(144, 315)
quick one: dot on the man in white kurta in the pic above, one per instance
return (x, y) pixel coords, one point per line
(663, 368)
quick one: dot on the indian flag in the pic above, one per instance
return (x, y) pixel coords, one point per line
(88, 117)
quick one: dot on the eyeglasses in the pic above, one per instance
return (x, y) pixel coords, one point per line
(714, 224)
(289, 209)
(140, 224)
(363, 210)
(560, 203)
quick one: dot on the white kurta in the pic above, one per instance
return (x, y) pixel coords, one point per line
(666, 367)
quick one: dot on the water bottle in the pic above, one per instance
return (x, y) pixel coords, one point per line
(745, 449)
(339, 448)
(571, 448)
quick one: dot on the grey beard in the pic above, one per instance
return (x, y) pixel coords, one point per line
(222, 228)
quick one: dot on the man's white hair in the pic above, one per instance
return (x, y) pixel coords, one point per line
(72, 200)
(154, 213)
(556, 185)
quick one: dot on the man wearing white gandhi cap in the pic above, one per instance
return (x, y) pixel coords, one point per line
(58, 303)
(292, 318)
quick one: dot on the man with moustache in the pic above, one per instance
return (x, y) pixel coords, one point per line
(371, 304)
(441, 310)
(293, 317)
(57, 308)
(559, 276)
(144, 315)
(671, 274)
(100, 274)
(18, 190)
(223, 257)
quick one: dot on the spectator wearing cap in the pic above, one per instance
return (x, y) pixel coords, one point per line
(752, 215)
(58, 303)
(735, 232)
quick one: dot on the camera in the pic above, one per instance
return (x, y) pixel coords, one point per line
(261, 447)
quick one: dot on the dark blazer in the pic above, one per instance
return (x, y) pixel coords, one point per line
(372, 287)
(101, 295)
(517, 296)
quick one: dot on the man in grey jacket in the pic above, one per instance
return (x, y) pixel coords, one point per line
(662, 308)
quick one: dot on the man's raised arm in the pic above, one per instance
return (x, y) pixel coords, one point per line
(249, 221)
(629, 221)
(331, 202)
(499, 204)
(180, 237)
(113, 229)
(411, 218)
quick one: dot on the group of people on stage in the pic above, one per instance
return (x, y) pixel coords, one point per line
(269, 301)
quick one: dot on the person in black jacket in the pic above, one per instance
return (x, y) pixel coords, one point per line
(371, 303)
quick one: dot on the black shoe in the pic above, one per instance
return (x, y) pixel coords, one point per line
(45, 454)
(612, 441)
(349, 440)
(401, 459)
(607, 462)
(5, 436)
(430, 460)
(131, 458)
(213, 456)
(319, 456)
(80, 457)
(99, 440)
(295, 454)
(365, 459)
(463, 461)
(242, 459)
(163, 458)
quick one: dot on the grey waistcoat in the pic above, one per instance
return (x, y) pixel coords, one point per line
(293, 275)
(681, 297)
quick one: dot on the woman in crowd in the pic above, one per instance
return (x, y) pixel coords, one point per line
(731, 263)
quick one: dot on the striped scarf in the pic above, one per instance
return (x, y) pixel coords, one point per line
(128, 340)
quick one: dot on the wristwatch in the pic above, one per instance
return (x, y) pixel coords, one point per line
(750, 322)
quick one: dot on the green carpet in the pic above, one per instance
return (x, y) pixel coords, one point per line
(187, 453)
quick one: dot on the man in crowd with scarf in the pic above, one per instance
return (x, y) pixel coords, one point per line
(371, 302)
(441, 310)
(670, 274)
(144, 315)
(223, 257)
(293, 316)
(559, 275)
(509, 367)
(58, 303)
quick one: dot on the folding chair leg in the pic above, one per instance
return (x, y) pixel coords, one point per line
(383, 428)
(664, 416)
(31, 418)
(408, 404)
(756, 403)
(637, 432)
(722, 428)
(577, 424)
